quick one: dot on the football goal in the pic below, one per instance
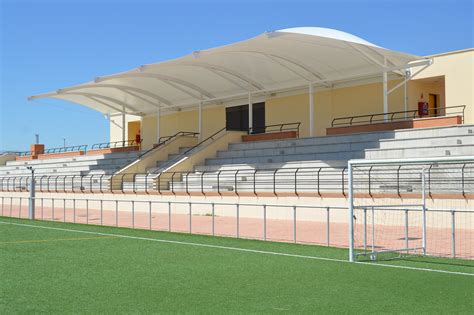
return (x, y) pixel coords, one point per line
(388, 213)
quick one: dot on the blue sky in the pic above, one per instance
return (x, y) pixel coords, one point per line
(46, 45)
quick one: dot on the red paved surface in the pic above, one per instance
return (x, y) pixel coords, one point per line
(439, 241)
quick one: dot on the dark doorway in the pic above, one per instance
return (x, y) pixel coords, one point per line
(237, 117)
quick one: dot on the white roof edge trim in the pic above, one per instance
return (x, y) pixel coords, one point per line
(327, 33)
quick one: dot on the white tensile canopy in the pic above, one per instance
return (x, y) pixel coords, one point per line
(271, 62)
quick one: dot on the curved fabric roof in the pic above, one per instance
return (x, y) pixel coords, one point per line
(274, 61)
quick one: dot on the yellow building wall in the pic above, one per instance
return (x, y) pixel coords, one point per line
(213, 119)
(329, 104)
(458, 71)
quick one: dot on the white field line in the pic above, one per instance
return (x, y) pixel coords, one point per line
(240, 249)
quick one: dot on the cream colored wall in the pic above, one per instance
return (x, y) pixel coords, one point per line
(115, 126)
(328, 104)
(213, 119)
(418, 87)
(458, 71)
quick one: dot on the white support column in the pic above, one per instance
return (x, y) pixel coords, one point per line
(250, 114)
(200, 121)
(385, 91)
(311, 110)
(123, 124)
(405, 91)
(158, 118)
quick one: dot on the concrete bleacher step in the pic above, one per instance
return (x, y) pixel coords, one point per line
(169, 159)
(120, 155)
(434, 132)
(299, 149)
(291, 164)
(345, 155)
(420, 152)
(467, 139)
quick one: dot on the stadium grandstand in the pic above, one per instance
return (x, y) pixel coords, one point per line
(253, 139)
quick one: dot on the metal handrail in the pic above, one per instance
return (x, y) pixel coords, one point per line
(294, 126)
(393, 116)
(74, 148)
(163, 140)
(211, 137)
(114, 144)
(23, 153)
(180, 133)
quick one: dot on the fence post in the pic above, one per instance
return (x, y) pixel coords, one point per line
(116, 212)
(87, 211)
(64, 209)
(74, 210)
(101, 211)
(406, 230)
(453, 232)
(42, 208)
(264, 222)
(149, 214)
(19, 211)
(294, 224)
(11, 205)
(238, 219)
(52, 209)
(327, 225)
(373, 230)
(213, 220)
(169, 216)
(190, 218)
(2, 204)
(365, 229)
(31, 205)
(133, 214)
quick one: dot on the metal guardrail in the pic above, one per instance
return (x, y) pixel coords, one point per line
(457, 179)
(22, 153)
(114, 144)
(398, 116)
(74, 148)
(165, 139)
(295, 126)
(140, 214)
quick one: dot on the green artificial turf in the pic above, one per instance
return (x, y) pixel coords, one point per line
(70, 272)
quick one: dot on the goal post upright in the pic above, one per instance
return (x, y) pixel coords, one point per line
(423, 209)
(351, 211)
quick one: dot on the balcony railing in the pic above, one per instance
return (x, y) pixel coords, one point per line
(398, 116)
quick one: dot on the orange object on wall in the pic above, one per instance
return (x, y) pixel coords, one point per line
(37, 149)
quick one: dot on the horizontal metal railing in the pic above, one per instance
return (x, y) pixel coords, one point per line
(74, 148)
(446, 238)
(457, 179)
(294, 126)
(114, 144)
(398, 116)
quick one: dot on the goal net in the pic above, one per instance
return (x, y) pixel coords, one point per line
(388, 205)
